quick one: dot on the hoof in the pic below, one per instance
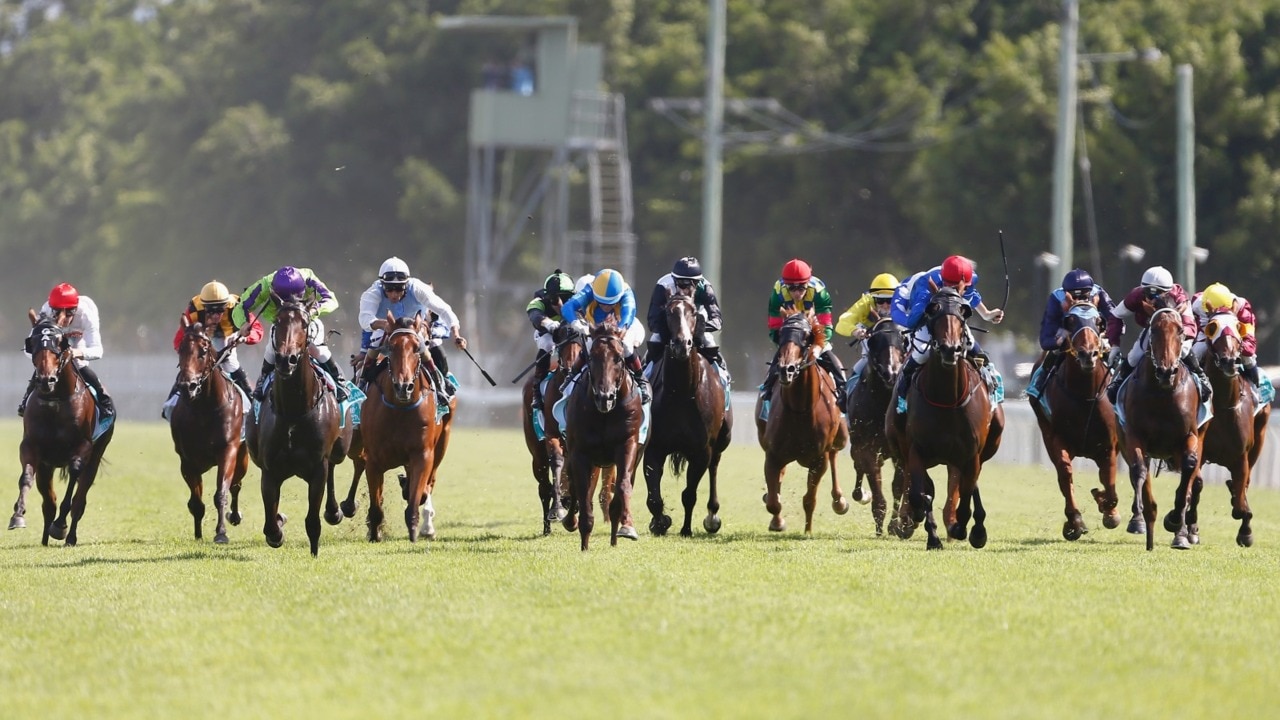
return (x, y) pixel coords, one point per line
(1070, 531)
(570, 522)
(711, 524)
(1111, 521)
(840, 505)
(1137, 526)
(276, 541)
(57, 531)
(221, 539)
(978, 538)
(1245, 539)
(861, 496)
(234, 518)
(17, 522)
(1193, 534)
(1172, 522)
(1180, 542)
(348, 508)
(333, 518)
(628, 532)
(281, 519)
(560, 514)
(777, 525)
(660, 524)
(933, 544)
(957, 532)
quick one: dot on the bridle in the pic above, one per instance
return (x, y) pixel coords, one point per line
(403, 391)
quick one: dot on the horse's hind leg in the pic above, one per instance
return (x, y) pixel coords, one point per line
(81, 499)
(25, 480)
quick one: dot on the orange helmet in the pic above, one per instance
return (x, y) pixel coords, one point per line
(796, 271)
(63, 296)
(957, 269)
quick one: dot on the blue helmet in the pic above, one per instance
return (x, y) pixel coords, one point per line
(608, 287)
(1078, 279)
(288, 283)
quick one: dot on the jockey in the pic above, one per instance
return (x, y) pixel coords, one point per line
(1217, 299)
(75, 312)
(609, 295)
(396, 292)
(262, 300)
(1077, 286)
(798, 289)
(913, 296)
(544, 314)
(209, 308)
(1140, 303)
(858, 320)
(686, 277)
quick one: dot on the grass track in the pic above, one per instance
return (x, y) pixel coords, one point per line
(493, 620)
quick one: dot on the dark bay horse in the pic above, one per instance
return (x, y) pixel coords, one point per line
(1159, 406)
(804, 424)
(949, 421)
(206, 426)
(1236, 432)
(548, 454)
(57, 432)
(689, 422)
(868, 403)
(400, 429)
(603, 419)
(1081, 421)
(296, 433)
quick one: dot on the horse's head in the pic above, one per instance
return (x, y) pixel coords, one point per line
(946, 316)
(403, 347)
(289, 337)
(1223, 333)
(1165, 349)
(196, 358)
(48, 345)
(682, 321)
(886, 350)
(605, 365)
(798, 332)
(1083, 325)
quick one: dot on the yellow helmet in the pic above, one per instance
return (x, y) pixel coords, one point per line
(884, 285)
(214, 293)
(1217, 297)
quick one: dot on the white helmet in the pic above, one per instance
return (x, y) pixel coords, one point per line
(1157, 277)
(394, 269)
(582, 282)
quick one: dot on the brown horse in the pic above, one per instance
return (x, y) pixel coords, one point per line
(549, 453)
(1158, 403)
(400, 429)
(949, 421)
(1236, 432)
(1081, 421)
(804, 424)
(296, 432)
(603, 419)
(206, 426)
(690, 425)
(868, 403)
(57, 432)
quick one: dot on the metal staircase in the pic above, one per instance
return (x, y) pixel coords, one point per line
(599, 122)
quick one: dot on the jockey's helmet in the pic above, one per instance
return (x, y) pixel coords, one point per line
(883, 286)
(558, 284)
(957, 269)
(214, 295)
(1077, 280)
(796, 272)
(582, 282)
(288, 283)
(1217, 298)
(608, 287)
(687, 268)
(393, 270)
(1157, 277)
(63, 296)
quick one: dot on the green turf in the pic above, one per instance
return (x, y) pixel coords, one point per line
(493, 620)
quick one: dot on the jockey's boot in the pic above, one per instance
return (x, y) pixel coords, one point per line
(105, 406)
(637, 373)
(908, 374)
(831, 363)
(1052, 360)
(241, 379)
(1250, 371)
(370, 367)
(340, 383)
(540, 370)
(31, 385)
(262, 380)
(654, 352)
(980, 358)
(770, 377)
(578, 366)
(1193, 364)
(1122, 373)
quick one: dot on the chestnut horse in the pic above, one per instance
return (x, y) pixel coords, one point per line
(868, 403)
(1159, 405)
(548, 454)
(1236, 432)
(57, 432)
(603, 418)
(690, 425)
(296, 431)
(1081, 421)
(804, 424)
(949, 421)
(400, 429)
(206, 424)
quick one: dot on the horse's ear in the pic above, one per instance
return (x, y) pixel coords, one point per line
(391, 321)
(32, 316)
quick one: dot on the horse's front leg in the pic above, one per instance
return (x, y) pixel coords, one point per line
(1177, 521)
(315, 499)
(839, 503)
(773, 473)
(968, 486)
(48, 501)
(1073, 527)
(902, 523)
(195, 502)
(332, 514)
(555, 487)
(221, 498)
(80, 500)
(954, 508)
(1144, 496)
(350, 504)
(654, 458)
(237, 480)
(1240, 503)
(711, 523)
(693, 473)
(816, 473)
(418, 468)
(921, 500)
(58, 528)
(582, 480)
(272, 521)
(1106, 498)
(374, 476)
(25, 480)
(620, 506)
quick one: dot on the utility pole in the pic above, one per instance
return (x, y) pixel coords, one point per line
(1064, 148)
(1186, 182)
(712, 146)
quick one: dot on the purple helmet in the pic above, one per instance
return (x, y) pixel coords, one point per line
(1077, 279)
(288, 283)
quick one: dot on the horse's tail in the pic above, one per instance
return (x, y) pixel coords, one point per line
(678, 461)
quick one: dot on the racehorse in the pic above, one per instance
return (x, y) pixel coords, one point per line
(549, 453)
(689, 422)
(57, 432)
(804, 425)
(399, 426)
(868, 403)
(1236, 432)
(1158, 403)
(1081, 421)
(296, 432)
(207, 425)
(603, 418)
(949, 421)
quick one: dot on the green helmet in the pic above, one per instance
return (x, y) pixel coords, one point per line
(558, 283)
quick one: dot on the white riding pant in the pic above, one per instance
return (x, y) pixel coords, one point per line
(545, 341)
(231, 362)
(633, 339)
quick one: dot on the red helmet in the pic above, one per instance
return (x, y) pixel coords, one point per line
(63, 296)
(957, 269)
(796, 271)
